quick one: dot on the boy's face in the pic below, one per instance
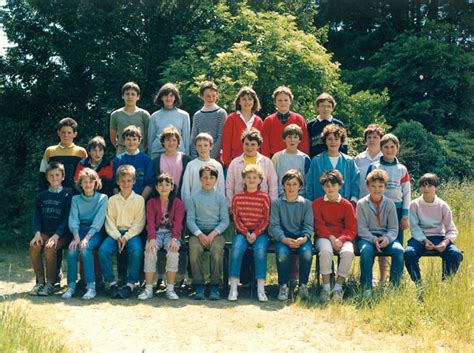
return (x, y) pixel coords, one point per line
(168, 100)
(292, 188)
(171, 143)
(331, 190)
(376, 189)
(55, 178)
(282, 102)
(373, 141)
(292, 142)
(203, 147)
(209, 96)
(207, 181)
(97, 153)
(428, 191)
(389, 151)
(126, 183)
(246, 103)
(131, 143)
(130, 97)
(164, 188)
(250, 147)
(325, 109)
(66, 135)
(252, 181)
(88, 185)
(333, 142)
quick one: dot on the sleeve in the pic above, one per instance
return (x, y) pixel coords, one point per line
(266, 136)
(350, 224)
(355, 179)
(113, 122)
(186, 186)
(227, 139)
(265, 216)
(42, 182)
(139, 219)
(392, 223)
(230, 180)
(239, 225)
(308, 225)
(149, 173)
(146, 123)
(321, 230)
(224, 215)
(220, 179)
(310, 181)
(194, 132)
(272, 180)
(99, 217)
(363, 224)
(66, 207)
(178, 218)
(220, 127)
(449, 226)
(406, 192)
(191, 219)
(275, 221)
(37, 224)
(185, 134)
(74, 221)
(415, 230)
(78, 170)
(304, 145)
(151, 134)
(111, 220)
(150, 219)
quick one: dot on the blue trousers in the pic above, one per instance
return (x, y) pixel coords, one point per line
(282, 254)
(259, 247)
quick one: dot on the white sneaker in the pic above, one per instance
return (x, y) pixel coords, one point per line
(283, 293)
(171, 294)
(146, 294)
(338, 295)
(232, 295)
(68, 294)
(325, 296)
(262, 297)
(90, 294)
(303, 291)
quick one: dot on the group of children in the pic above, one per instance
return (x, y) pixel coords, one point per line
(167, 177)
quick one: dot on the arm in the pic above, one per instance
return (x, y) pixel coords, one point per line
(37, 224)
(191, 219)
(406, 192)
(415, 230)
(449, 226)
(178, 219)
(275, 222)
(272, 180)
(146, 123)
(220, 127)
(139, 219)
(185, 134)
(151, 134)
(194, 132)
(66, 207)
(308, 221)
(363, 224)
(265, 216)
(304, 145)
(310, 180)
(220, 179)
(224, 215)
(355, 178)
(99, 218)
(186, 187)
(42, 182)
(392, 226)
(74, 220)
(350, 224)
(227, 141)
(265, 148)
(230, 180)
(111, 220)
(239, 225)
(149, 178)
(150, 218)
(322, 231)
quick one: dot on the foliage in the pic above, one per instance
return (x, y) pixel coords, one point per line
(459, 149)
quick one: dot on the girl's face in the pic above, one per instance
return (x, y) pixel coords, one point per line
(389, 151)
(333, 142)
(164, 188)
(373, 142)
(168, 100)
(171, 143)
(292, 188)
(130, 97)
(97, 154)
(88, 186)
(282, 103)
(246, 103)
(209, 96)
(250, 147)
(252, 181)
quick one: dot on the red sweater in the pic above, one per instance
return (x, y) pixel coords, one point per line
(272, 134)
(153, 217)
(234, 126)
(334, 218)
(251, 210)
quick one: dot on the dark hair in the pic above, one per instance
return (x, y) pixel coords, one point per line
(389, 138)
(208, 168)
(335, 130)
(54, 165)
(130, 86)
(207, 85)
(166, 89)
(373, 129)
(252, 135)
(429, 179)
(97, 141)
(292, 174)
(165, 177)
(282, 90)
(132, 131)
(325, 97)
(247, 91)
(332, 176)
(291, 130)
(167, 132)
(377, 175)
(68, 122)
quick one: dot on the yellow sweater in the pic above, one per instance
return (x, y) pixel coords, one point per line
(125, 214)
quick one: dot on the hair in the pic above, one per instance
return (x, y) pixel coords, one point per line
(132, 131)
(373, 129)
(55, 165)
(332, 176)
(390, 138)
(253, 168)
(204, 136)
(335, 130)
(166, 89)
(70, 122)
(291, 130)
(97, 141)
(207, 85)
(92, 175)
(325, 97)
(165, 177)
(377, 175)
(429, 179)
(168, 132)
(247, 91)
(130, 86)
(126, 170)
(292, 174)
(252, 135)
(208, 168)
(284, 90)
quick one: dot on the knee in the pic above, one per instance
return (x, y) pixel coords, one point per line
(282, 257)
(347, 255)
(325, 256)
(307, 255)
(217, 252)
(410, 254)
(260, 254)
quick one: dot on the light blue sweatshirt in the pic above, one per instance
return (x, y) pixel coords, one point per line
(87, 211)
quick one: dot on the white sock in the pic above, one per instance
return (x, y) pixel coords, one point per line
(260, 286)
(327, 287)
(338, 286)
(149, 287)
(170, 287)
(233, 284)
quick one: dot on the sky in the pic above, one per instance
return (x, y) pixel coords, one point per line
(3, 38)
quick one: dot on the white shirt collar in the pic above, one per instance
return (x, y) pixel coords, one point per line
(329, 119)
(248, 123)
(133, 154)
(339, 198)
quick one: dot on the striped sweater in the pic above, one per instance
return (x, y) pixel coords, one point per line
(212, 122)
(251, 212)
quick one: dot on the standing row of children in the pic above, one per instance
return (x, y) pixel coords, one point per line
(263, 196)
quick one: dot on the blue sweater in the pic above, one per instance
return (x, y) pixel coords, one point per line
(87, 212)
(291, 219)
(51, 212)
(207, 211)
(144, 166)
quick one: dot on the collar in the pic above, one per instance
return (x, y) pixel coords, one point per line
(250, 121)
(339, 198)
(429, 204)
(63, 147)
(56, 191)
(298, 199)
(133, 154)
(382, 161)
(210, 109)
(131, 196)
(329, 119)
(366, 155)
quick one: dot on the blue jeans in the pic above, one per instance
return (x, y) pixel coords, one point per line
(367, 254)
(87, 256)
(134, 249)
(400, 230)
(259, 247)
(451, 256)
(282, 254)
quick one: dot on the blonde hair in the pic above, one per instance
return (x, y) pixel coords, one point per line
(252, 168)
(92, 175)
(126, 170)
(377, 175)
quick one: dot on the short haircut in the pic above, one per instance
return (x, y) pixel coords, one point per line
(253, 168)
(126, 170)
(377, 175)
(207, 85)
(97, 141)
(131, 131)
(168, 132)
(292, 174)
(325, 97)
(373, 129)
(92, 175)
(335, 130)
(130, 86)
(291, 130)
(204, 136)
(429, 179)
(390, 138)
(70, 122)
(284, 90)
(55, 165)
(166, 89)
(332, 176)
(252, 135)
(247, 91)
(165, 177)
(208, 168)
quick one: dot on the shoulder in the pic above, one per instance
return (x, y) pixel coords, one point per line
(144, 113)
(116, 113)
(338, 122)
(269, 119)
(182, 112)
(298, 117)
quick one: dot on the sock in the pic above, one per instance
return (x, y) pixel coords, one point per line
(91, 285)
(327, 286)
(233, 284)
(149, 287)
(110, 284)
(260, 286)
(131, 285)
(169, 287)
(338, 286)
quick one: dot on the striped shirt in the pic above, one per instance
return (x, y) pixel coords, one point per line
(251, 212)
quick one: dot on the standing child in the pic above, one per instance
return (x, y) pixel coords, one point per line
(50, 229)
(124, 221)
(242, 119)
(86, 220)
(335, 229)
(432, 228)
(128, 115)
(291, 222)
(207, 219)
(251, 213)
(165, 215)
(210, 119)
(274, 124)
(168, 100)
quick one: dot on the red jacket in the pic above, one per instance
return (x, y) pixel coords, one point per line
(154, 214)
(272, 134)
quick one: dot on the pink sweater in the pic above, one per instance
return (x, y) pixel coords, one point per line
(154, 214)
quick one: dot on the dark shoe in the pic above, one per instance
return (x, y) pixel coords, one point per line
(215, 293)
(200, 295)
(47, 289)
(114, 291)
(160, 284)
(125, 292)
(81, 285)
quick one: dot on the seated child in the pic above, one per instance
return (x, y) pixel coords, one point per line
(207, 219)
(50, 229)
(432, 228)
(251, 213)
(291, 222)
(165, 215)
(335, 229)
(377, 227)
(124, 221)
(86, 220)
